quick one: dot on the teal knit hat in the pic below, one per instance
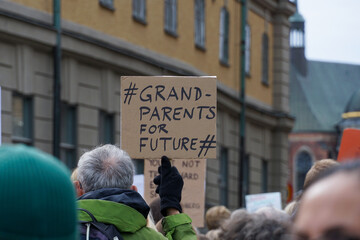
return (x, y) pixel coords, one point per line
(37, 198)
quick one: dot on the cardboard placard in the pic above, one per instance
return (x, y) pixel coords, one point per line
(257, 201)
(172, 116)
(193, 194)
(350, 145)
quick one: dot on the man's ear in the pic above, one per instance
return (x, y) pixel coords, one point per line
(133, 187)
(78, 188)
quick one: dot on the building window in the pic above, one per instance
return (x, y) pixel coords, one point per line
(109, 4)
(303, 163)
(139, 166)
(247, 49)
(264, 176)
(106, 134)
(224, 176)
(68, 135)
(200, 23)
(171, 17)
(265, 59)
(139, 10)
(224, 36)
(22, 119)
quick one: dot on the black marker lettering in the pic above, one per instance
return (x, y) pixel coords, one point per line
(176, 113)
(141, 143)
(173, 94)
(183, 93)
(198, 93)
(211, 110)
(144, 111)
(166, 111)
(155, 113)
(159, 90)
(148, 96)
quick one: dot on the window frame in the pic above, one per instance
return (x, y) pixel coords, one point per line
(170, 17)
(28, 117)
(69, 131)
(264, 175)
(265, 59)
(224, 176)
(295, 168)
(224, 37)
(139, 11)
(199, 26)
(247, 49)
(106, 128)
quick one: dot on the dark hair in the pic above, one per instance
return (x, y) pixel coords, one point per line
(155, 210)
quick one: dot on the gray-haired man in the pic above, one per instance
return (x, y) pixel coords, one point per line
(105, 178)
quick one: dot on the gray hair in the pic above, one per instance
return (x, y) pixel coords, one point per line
(106, 166)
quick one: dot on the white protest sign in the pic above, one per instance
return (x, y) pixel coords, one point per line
(256, 201)
(172, 116)
(139, 183)
(193, 194)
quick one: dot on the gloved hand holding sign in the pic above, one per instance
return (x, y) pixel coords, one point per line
(170, 184)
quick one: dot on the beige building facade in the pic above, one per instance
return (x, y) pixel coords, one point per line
(104, 40)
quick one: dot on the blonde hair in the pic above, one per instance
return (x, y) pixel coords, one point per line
(318, 168)
(73, 176)
(215, 216)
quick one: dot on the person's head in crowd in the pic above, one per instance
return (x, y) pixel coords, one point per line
(214, 234)
(73, 176)
(330, 207)
(267, 224)
(263, 228)
(273, 213)
(155, 210)
(202, 237)
(105, 167)
(291, 208)
(232, 228)
(215, 216)
(37, 197)
(318, 168)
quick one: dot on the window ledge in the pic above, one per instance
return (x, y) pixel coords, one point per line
(107, 6)
(139, 20)
(18, 139)
(224, 63)
(200, 47)
(171, 33)
(266, 84)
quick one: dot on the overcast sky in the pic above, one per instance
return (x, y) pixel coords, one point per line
(332, 29)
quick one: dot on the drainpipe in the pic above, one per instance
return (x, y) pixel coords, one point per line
(57, 78)
(242, 188)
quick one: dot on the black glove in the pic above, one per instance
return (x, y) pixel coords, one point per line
(170, 184)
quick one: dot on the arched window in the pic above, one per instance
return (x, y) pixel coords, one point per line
(303, 163)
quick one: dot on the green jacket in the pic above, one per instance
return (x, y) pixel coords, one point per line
(132, 224)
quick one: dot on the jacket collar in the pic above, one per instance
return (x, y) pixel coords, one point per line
(128, 197)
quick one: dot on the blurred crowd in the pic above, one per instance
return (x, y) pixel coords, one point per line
(39, 200)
